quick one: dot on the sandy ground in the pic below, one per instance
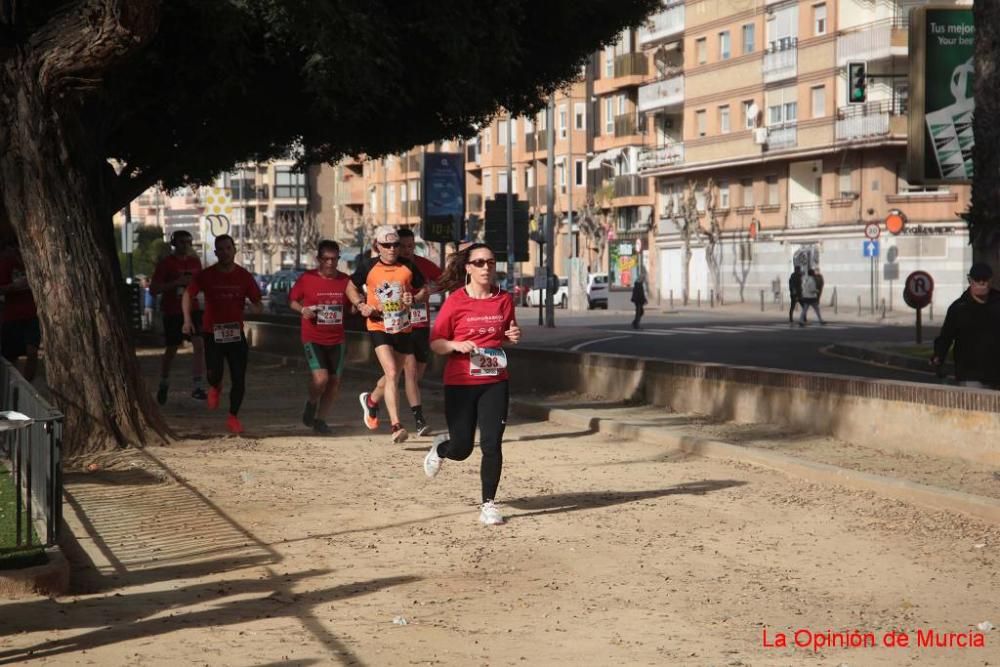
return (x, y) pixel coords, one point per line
(280, 548)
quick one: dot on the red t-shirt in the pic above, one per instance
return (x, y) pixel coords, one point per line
(19, 304)
(483, 321)
(226, 293)
(313, 289)
(169, 269)
(420, 312)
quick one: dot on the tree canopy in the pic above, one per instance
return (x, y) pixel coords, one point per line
(221, 81)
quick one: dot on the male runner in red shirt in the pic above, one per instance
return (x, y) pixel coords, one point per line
(413, 368)
(170, 278)
(227, 288)
(320, 295)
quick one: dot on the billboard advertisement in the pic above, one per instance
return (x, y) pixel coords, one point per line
(443, 196)
(941, 95)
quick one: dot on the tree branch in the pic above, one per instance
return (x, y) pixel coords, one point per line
(86, 38)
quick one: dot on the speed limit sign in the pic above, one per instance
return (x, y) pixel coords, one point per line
(872, 231)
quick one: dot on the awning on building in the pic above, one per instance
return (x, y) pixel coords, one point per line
(609, 155)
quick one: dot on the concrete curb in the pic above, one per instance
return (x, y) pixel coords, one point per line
(51, 579)
(882, 358)
(931, 497)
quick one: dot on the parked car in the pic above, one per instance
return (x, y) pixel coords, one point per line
(278, 289)
(560, 298)
(597, 291)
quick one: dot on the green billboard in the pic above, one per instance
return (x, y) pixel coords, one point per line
(941, 95)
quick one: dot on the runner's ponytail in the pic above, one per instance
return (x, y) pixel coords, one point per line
(454, 275)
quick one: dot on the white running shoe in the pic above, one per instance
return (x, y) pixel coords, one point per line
(432, 462)
(489, 514)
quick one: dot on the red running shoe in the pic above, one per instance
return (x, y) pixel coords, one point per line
(233, 424)
(213, 398)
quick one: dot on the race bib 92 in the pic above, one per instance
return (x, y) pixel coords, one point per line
(418, 313)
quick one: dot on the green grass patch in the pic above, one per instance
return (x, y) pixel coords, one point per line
(916, 351)
(13, 557)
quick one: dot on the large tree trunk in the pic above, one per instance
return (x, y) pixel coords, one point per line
(984, 229)
(54, 192)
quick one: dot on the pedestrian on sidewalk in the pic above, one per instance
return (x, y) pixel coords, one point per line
(810, 298)
(473, 326)
(794, 293)
(320, 295)
(639, 299)
(972, 325)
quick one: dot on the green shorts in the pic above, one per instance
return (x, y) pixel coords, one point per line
(325, 357)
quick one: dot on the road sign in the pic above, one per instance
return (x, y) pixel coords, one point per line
(872, 231)
(895, 221)
(890, 271)
(918, 290)
(870, 248)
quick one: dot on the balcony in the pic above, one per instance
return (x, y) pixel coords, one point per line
(867, 121)
(536, 142)
(631, 64)
(664, 94)
(781, 59)
(631, 185)
(781, 136)
(874, 41)
(805, 214)
(475, 203)
(664, 26)
(625, 125)
(664, 156)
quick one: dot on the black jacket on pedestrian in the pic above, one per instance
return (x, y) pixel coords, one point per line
(795, 285)
(974, 329)
(638, 294)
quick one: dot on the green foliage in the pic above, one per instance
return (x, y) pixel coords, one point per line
(10, 556)
(245, 79)
(150, 249)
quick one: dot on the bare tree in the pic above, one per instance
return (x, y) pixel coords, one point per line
(684, 214)
(310, 233)
(594, 228)
(742, 260)
(713, 238)
(261, 236)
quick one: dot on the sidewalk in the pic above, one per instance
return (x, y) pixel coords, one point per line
(287, 548)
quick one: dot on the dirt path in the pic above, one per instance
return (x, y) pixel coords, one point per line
(285, 549)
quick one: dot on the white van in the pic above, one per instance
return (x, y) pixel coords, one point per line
(597, 291)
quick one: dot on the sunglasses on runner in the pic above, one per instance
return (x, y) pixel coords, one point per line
(389, 246)
(480, 263)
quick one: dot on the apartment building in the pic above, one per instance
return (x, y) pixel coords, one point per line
(761, 113)
(274, 212)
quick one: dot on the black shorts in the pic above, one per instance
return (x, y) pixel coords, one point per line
(173, 328)
(400, 342)
(325, 357)
(421, 338)
(16, 336)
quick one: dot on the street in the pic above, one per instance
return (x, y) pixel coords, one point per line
(729, 335)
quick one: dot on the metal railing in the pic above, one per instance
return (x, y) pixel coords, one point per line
(867, 120)
(781, 60)
(664, 156)
(805, 214)
(665, 24)
(782, 136)
(34, 455)
(871, 41)
(663, 93)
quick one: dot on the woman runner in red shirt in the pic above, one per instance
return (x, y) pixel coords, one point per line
(475, 323)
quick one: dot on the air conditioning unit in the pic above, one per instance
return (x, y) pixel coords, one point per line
(760, 136)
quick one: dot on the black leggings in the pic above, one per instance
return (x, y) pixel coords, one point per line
(465, 407)
(236, 354)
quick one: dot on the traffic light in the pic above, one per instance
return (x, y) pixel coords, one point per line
(857, 83)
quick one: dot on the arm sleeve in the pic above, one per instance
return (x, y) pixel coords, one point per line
(947, 336)
(195, 285)
(360, 275)
(417, 281)
(298, 292)
(443, 326)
